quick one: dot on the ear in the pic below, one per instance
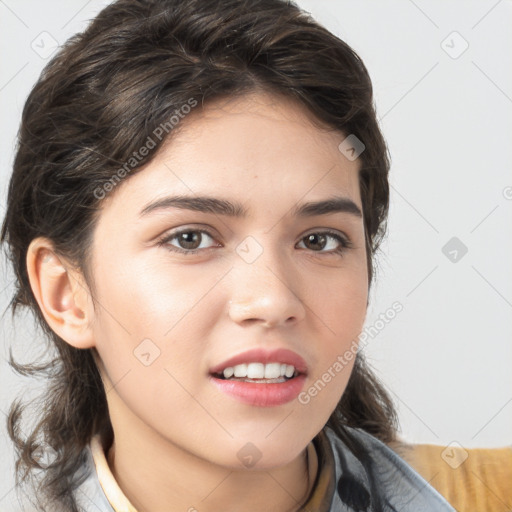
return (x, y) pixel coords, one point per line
(62, 294)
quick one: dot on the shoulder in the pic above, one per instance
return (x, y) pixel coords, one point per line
(400, 486)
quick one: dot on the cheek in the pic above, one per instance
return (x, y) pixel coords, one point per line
(150, 345)
(340, 301)
(150, 299)
(340, 314)
(153, 317)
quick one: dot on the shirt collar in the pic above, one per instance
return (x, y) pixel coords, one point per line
(113, 492)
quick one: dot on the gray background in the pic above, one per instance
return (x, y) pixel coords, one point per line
(446, 114)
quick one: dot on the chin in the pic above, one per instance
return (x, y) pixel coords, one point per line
(262, 453)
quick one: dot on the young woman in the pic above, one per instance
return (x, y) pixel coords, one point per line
(198, 195)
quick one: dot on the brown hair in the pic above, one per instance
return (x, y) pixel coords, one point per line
(95, 103)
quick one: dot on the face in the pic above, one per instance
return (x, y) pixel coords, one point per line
(182, 294)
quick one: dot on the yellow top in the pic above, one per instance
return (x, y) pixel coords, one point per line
(472, 479)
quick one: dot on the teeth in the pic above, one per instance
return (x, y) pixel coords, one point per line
(272, 371)
(290, 370)
(259, 371)
(228, 372)
(255, 371)
(240, 370)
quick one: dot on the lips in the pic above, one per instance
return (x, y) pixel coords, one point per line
(268, 392)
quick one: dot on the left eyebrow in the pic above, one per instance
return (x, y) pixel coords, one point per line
(234, 209)
(334, 205)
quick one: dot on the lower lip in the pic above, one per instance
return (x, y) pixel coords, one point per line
(262, 395)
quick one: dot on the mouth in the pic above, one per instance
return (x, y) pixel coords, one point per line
(261, 378)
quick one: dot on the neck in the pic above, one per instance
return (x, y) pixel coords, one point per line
(193, 485)
(156, 474)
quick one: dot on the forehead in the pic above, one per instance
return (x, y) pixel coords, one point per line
(259, 146)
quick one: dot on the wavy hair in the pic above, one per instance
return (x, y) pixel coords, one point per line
(95, 104)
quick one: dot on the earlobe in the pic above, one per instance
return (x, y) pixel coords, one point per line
(61, 293)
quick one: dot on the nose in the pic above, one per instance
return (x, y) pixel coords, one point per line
(264, 292)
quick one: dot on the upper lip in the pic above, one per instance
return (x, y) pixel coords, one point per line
(258, 355)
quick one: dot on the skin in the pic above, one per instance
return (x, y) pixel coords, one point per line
(176, 435)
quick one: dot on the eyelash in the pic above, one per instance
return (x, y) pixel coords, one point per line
(345, 243)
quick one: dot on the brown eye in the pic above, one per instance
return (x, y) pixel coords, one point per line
(187, 241)
(334, 242)
(315, 241)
